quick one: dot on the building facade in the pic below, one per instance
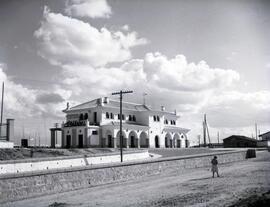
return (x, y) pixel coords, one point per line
(97, 124)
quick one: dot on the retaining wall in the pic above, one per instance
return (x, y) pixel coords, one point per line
(25, 185)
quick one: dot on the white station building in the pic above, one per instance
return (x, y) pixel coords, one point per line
(97, 124)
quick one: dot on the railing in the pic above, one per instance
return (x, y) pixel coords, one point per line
(80, 123)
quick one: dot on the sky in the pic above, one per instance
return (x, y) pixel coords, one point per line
(197, 57)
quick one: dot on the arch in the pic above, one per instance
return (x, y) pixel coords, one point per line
(176, 140)
(85, 116)
(144, 141)
(112, 116)
(133, 118)
(107, 115)
(168, 140)
(109, 139)
(118, 139)
(157, 143)
(133, 139)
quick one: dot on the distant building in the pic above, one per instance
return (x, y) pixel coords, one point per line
(265, 140)
(96, 124)
(239, 141)
(7, 134)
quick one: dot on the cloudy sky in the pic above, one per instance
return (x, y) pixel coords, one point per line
(196, 57)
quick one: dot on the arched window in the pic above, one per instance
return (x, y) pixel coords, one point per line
(166, 121)
(155, 118)
(123, 117)
(85, 116)
(81, 117)
(171, 122)
(158, 118)
(112, 116)
(133, 118)
(129, 117)
(107, 115)
(118, 116)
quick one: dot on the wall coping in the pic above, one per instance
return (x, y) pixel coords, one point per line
(110, 165)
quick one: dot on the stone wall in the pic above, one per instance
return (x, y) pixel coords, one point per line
(25, 185)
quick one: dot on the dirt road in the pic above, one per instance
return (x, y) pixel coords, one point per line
(239, 184)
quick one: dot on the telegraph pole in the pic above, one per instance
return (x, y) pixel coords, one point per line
(2, 106)
(204, 131)
(121, 137)
(256, 131)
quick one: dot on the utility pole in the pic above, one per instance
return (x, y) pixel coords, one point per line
(121, 136)
(256, 131)
(2, 106)
(204, 131)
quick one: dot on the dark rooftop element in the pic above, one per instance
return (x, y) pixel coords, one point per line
(240, 137)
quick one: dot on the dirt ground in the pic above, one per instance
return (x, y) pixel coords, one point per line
(245, 183)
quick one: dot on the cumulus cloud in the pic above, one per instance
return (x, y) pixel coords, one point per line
(178, 74)
(88, 8)
(23, 102)
(64, 40)
(47, 98)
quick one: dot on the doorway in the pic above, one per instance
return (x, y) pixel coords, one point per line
(132, 142)
(80, 141)
(156, 142)
(110, 143)
(68, 145)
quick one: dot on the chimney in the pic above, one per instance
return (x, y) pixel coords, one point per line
(162, 108)
(106, 100)
(100, 102)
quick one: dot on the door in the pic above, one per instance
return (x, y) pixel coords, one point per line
(68, 141)
(95, 117)
(80, 141)
(110, 144)
(156, 142)
(132, 141)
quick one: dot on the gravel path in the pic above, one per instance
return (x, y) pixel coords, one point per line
(238, 185)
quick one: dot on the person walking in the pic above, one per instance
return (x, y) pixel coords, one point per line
(214, 166)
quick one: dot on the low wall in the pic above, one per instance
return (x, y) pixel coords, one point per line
(31, 165)
(5, 144)
(25, 185)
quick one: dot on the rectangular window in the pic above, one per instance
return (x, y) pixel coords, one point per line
(95, 132)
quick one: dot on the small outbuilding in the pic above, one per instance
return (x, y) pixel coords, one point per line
(265, 140)
(239, 141)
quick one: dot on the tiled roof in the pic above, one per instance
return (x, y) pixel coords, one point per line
(110, 104)
(264, 134)
(115, 104)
